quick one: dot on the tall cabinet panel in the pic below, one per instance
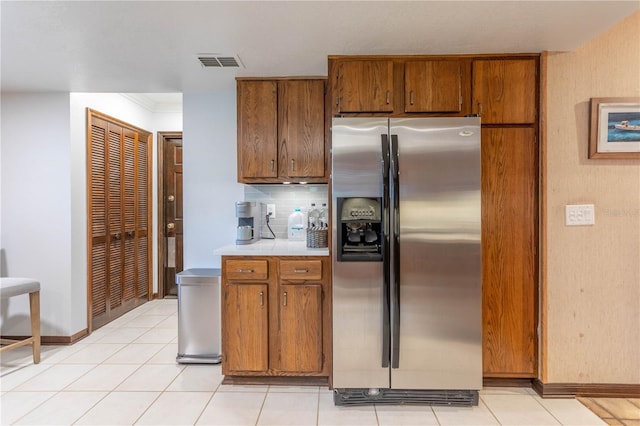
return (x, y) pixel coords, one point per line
(509, 215)
(118, 185)
(505, 94)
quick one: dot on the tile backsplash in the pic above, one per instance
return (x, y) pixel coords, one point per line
(286, 198)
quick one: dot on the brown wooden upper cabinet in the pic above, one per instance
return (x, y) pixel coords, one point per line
(281, 133)
(504, 90)
(400, 86)
(433, 86)
(365, 86)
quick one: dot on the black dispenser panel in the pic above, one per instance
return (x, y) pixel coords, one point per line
(360, 229)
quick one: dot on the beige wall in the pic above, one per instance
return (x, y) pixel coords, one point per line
(591, 308)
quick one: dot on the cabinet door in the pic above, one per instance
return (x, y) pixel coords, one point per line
(301, 128)
(245, 328)
(433, 86)
(300, 328)
(365, 86)
(257, 129)
(508, 251)
(504, 91)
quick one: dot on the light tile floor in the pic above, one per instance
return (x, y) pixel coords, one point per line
(125, 373)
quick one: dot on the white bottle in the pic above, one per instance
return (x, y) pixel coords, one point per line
(323, 216)
(295, 228)
(314, 216)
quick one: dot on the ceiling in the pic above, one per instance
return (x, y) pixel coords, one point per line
(152, 46)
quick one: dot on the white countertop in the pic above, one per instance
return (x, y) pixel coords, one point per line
(277, 247)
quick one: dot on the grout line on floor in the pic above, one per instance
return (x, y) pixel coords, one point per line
(262, 406)
(488, 408)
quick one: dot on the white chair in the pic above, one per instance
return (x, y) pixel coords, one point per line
(10, 287)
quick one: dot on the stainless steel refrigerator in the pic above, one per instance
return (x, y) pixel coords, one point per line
(407, 304)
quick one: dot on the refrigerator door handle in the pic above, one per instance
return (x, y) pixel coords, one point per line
(386, 256)
(395, 252)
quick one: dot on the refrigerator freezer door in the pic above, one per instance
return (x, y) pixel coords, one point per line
(440, 315)
(357, 287)
(356, 157)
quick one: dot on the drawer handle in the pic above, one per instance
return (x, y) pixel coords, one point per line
(246, 271)
(300, 271)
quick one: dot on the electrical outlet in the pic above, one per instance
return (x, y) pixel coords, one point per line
(579, 214)
(271, 211)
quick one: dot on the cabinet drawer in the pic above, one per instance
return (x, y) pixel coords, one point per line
(300, 269)
(246, 269)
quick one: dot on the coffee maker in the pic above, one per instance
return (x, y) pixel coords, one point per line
(250, 215)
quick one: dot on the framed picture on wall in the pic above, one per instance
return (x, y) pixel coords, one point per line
(615, 128)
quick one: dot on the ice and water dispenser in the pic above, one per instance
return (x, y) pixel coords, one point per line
(360, 229)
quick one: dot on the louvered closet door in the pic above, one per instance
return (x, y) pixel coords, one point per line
(142, 179)
(129, 214)
(98, 218)
(119, 188)
(115, 223)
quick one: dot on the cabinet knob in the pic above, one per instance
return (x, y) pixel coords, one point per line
(273, 163)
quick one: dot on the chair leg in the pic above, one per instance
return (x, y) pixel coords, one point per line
(34, 307)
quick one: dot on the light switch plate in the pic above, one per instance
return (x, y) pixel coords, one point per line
(579, 215)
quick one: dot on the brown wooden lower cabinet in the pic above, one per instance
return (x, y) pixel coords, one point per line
(276, 316)
(299, 340)
(247, 329)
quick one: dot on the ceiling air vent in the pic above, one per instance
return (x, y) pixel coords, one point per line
(219, 61)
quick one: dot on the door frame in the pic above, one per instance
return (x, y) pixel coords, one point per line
(162, 246)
